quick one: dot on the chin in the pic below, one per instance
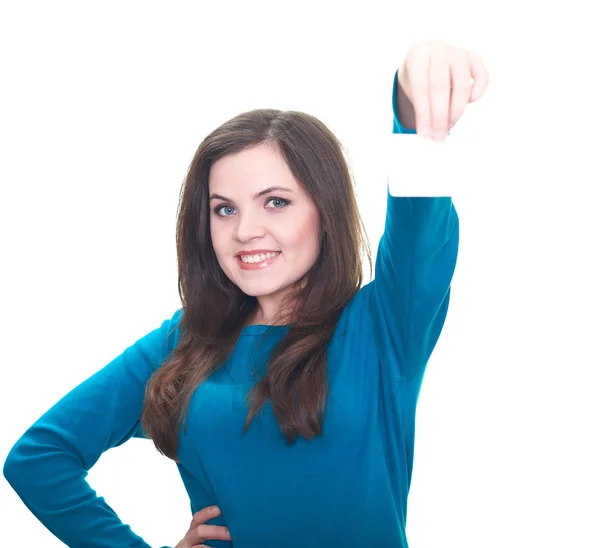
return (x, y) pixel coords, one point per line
(259, 291)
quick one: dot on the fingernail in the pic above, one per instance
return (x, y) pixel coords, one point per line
(425, 133)
(440, 135)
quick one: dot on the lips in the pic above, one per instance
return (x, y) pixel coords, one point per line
(256, 252)
(259, 264)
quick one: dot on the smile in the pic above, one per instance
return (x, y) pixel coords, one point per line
(255, 262)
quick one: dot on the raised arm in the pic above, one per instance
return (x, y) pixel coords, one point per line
(417, 253)
(415, 263)
(48, 465)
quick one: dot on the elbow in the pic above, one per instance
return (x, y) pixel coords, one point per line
(26, 461)
(14, 465)
(12, 468)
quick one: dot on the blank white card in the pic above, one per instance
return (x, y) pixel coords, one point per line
(423, 167)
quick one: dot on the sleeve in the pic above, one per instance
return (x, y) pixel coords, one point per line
(48, 465)
(415, 263)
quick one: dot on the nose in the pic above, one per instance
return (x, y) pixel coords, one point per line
(249, 227)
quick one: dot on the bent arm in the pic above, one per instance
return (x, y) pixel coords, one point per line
(48, 465)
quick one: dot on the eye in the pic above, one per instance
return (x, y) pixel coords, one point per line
(282, 201)
(222, 207)
(225, 210)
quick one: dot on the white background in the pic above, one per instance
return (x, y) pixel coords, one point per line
(102, 107)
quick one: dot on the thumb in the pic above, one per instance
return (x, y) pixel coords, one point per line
(480, 76)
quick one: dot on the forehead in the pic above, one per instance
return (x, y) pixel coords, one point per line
(249, 171)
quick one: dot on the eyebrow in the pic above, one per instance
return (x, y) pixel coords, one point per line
(257, 195)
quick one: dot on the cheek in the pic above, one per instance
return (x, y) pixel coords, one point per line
(307, 234)
(217, 242)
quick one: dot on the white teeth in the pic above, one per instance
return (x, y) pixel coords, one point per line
(257, 258)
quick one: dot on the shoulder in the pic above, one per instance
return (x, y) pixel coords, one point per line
(157, 346)
(357, 314)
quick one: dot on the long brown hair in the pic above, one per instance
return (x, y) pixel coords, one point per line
(215, 310)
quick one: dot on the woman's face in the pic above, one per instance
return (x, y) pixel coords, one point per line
(247, 219)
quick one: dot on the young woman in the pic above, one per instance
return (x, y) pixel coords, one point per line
(284, 389)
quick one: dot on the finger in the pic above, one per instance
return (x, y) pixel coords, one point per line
(202, 516)
(203, 533)
(480, 75)
(460, 78)
(417, 68)
(439, 91)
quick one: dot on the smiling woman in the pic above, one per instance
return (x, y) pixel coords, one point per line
(244, 262)
(256, 226)
(284, 389)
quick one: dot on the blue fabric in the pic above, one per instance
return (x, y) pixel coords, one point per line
(347, 488)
